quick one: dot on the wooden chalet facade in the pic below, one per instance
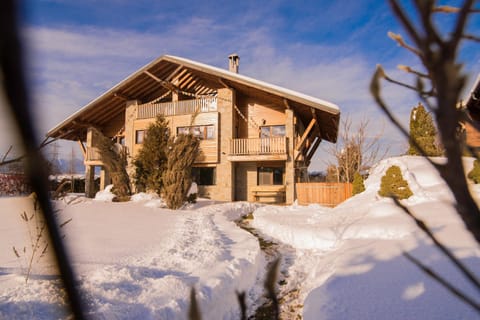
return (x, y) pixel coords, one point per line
(257, 139)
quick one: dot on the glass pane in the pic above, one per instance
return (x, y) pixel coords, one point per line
(139, 136)
(182, 130)
(204, 176)
(265, 132)
(278, 176)
(197, 132)
(210, 132)
(278, 131)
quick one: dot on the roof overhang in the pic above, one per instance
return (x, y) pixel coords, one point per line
(168, 73)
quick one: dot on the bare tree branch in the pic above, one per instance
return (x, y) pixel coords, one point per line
(465, 10)
(471, 37)
(17, 97)
(415, 72)
(4, 160)
(405, 21)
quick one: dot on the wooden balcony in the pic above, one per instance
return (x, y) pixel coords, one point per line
(258, 149)
(175, 108)
(93, 156)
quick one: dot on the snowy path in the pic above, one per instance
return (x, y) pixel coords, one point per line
(198, 254)
(153, 263)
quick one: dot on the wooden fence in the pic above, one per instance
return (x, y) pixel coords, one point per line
(324, 193)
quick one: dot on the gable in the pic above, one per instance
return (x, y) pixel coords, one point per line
(190, 79)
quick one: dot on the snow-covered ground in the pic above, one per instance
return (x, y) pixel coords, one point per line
(138, 260)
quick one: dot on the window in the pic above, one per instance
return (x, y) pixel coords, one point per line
(272, 131)
(270, 175)
(139, 136)
(204, 176)
(202, 132)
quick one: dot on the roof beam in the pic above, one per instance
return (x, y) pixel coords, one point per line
(164, 83)
(305, 135)
(223, 83)
(174, 73)
(121, 96)
(83, 149)
(312, 150)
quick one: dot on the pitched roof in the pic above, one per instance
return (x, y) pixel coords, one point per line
(165, 72)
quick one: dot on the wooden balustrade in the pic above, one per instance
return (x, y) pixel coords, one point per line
(174, 108)
(258, 146)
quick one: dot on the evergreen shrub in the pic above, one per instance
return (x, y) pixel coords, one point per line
(393, 184)
(474, 174)
(358, 185)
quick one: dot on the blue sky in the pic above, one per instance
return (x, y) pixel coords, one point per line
(327, 49)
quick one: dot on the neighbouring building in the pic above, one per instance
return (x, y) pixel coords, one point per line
(257, 139)
(472, 104)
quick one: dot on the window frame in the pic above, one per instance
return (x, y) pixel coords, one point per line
(197, 174)
(205, 131)
(140, 136)
(269, 133)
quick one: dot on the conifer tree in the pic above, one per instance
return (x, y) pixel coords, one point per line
(393, 184)
(114, 159)
(358, 185)
(152, 158)
(177, 177)
(423, 131)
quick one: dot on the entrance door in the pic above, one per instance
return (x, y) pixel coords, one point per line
(240, 182)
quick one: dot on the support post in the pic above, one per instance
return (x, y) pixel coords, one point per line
(290, 163)
(225, 172)
(89, 181)
(104, 178)
(130, 117)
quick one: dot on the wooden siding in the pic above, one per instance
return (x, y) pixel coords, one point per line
(258, 113)
(208, 148)
(326, 194)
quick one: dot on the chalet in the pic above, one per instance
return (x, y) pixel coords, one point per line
(257, 139)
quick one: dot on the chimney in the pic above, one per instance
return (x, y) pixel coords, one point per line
(233, 62)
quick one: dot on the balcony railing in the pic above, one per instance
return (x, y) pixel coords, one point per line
(174, 108)
(258, 146)
(93, 154)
